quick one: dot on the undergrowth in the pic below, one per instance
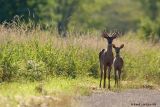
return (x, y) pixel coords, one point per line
(37, 55)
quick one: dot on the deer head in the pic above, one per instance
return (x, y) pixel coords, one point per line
(110, 36)
(117, 49)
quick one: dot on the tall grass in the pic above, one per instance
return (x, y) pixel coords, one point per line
(36, 55)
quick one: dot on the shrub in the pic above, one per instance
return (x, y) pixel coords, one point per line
(150, 29)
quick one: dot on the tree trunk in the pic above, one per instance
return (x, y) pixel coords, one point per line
(66, 10)
(62, 28)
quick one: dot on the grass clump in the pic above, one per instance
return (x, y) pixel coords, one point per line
(34, 61)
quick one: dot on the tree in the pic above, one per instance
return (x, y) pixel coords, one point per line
(65, 9)
(150, 8)
(10, 8)
(89, 14)
(150, 24)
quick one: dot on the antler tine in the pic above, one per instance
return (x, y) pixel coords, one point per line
(116, 32)
(113, 33)
(105, 34)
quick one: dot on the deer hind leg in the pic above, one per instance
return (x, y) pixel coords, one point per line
(101, 74)
(115, 76)
(105, 69)
(119, 76)
(109, 71)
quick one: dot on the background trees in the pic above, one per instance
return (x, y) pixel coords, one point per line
(65, 9)
(127, 15)
(150, 24)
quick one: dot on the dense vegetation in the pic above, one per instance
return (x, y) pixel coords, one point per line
(35, 59)
(79, 15)
(37, 55)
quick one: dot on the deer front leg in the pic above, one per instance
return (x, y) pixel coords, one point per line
(105, 69)
(109, 70)
(101, 75)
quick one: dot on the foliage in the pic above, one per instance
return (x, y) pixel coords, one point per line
(150, 29)
(150, 24)
(11, 8)
(36, 55)
(33, 61)
(82, 15)
(65, 9)
(78, 14)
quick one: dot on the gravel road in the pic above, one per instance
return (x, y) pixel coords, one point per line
(129, 98)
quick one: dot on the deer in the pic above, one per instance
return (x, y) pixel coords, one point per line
(118, 64)
(106, 57)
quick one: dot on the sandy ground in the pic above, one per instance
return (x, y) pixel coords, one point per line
(129, 98)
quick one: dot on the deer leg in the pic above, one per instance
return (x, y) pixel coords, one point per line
(101, 74)
(115, 76)
(119, 75)
(109, 70)
(105, 69)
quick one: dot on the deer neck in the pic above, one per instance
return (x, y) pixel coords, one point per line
(117, 54)
(109, 48)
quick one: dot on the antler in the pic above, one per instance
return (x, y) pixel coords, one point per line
(105, 34)
(115, 34)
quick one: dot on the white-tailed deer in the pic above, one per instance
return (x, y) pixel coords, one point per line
(106, 58)
(118, 64)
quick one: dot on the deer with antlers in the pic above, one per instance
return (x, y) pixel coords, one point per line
(106, 57)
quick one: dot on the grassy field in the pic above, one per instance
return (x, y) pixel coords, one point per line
(37, 63)
(59, 92)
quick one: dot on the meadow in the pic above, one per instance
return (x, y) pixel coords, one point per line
(37, 62)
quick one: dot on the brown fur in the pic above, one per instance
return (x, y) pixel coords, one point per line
(106, 59)
(118, 64)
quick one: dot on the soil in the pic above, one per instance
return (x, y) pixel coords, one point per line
(128, 98)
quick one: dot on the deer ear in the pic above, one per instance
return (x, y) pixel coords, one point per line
(122, 46)
(113, 46)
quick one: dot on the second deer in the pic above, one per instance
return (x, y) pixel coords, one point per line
(118, 64)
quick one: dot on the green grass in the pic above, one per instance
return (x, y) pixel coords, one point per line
(70, 86)
(79, 86)
(40, 63)
(63, 88)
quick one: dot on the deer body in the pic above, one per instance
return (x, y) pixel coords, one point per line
(118, 64)
(106, 59)
(108, 56)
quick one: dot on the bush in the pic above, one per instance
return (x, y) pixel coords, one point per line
(35, 61)
(150, 29)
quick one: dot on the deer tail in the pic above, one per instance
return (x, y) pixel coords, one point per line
(100, 54)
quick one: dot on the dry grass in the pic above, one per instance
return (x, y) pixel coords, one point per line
(89, 40)
(60, 100)
(142, 60)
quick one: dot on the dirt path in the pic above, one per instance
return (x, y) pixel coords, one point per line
(130, 98)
